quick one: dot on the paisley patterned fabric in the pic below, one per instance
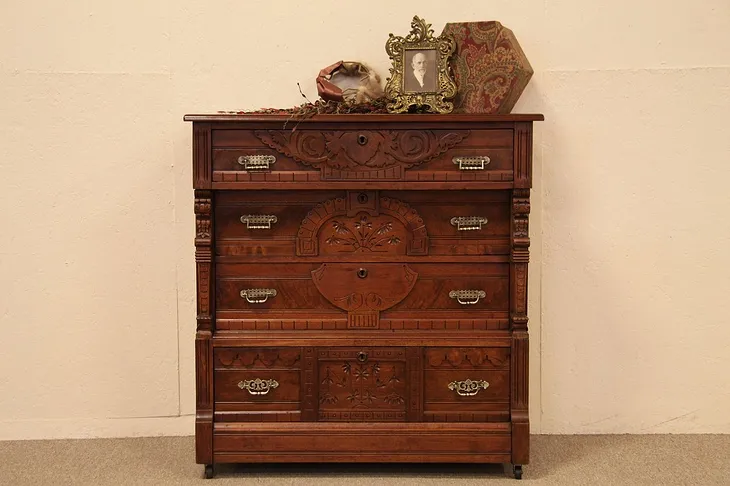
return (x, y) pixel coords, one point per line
(489, 67)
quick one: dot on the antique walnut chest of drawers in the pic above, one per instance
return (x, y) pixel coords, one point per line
(362, 288)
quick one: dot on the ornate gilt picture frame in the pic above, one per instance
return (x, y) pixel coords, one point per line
(420, 76)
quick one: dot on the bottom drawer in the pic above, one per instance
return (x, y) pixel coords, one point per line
(362, 384)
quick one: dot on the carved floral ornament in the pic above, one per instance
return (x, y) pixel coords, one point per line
(340, 225)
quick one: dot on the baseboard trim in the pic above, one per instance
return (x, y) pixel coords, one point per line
(82, 428)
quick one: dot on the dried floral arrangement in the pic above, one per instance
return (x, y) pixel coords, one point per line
(322, 107)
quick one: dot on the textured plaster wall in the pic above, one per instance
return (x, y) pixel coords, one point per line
(629, 272)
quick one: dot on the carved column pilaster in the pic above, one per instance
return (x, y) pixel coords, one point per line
(203, 346)
(204, 257)
(519, 259)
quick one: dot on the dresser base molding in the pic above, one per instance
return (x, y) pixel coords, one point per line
(370, 442)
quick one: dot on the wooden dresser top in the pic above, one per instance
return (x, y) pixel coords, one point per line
(365, 118)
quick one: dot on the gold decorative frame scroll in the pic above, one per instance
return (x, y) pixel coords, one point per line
(425, 89)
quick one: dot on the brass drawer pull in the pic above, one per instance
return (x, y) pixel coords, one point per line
(478, 162)
(468, 388)
(256, 162)
(258, 221)
(468, 223)
(467, 297)
(258, 386)
(257, 296)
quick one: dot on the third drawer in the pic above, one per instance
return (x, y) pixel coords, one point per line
(284, 290)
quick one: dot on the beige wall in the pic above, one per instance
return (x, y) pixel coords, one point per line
(629, 273)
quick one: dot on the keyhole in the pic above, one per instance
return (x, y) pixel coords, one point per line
(362, 273)
(362, 139)
(362, 356)
(362, 198)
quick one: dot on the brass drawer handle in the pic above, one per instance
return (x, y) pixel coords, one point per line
(256, 162)
(468, 223)
(468, 388)
(478, 162)
(259, 221)
(257, 296)
(467, 297)
(258, 386)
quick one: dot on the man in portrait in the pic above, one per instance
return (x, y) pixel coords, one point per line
(421, 77)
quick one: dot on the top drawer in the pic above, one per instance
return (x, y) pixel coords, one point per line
(423, 155)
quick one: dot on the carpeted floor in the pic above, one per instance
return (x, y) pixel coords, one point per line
(556, 460)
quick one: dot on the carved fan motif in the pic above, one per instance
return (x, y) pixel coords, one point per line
(391, 226)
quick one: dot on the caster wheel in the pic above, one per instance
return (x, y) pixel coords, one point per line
(208, 471)
(517, 469)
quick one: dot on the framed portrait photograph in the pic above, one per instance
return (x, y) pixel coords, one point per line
(420, 71)
(420, 76)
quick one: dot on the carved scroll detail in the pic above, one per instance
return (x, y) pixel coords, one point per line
(339, 153)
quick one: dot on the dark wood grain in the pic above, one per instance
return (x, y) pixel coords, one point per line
(362, 336)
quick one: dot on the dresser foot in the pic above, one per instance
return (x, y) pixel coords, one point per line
(517, 470)
(209, 471)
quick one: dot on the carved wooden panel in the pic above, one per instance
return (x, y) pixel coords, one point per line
(362, 384)
(523, 155)
(203, 257)
(520, 256)
(309, 387)
(362, 223)
(427, 323)
(202, 156)
(467, 358)
(361, 154)
(364, 290)
(252, 358)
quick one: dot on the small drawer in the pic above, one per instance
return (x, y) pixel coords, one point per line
(257, 384)
(466, 384)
